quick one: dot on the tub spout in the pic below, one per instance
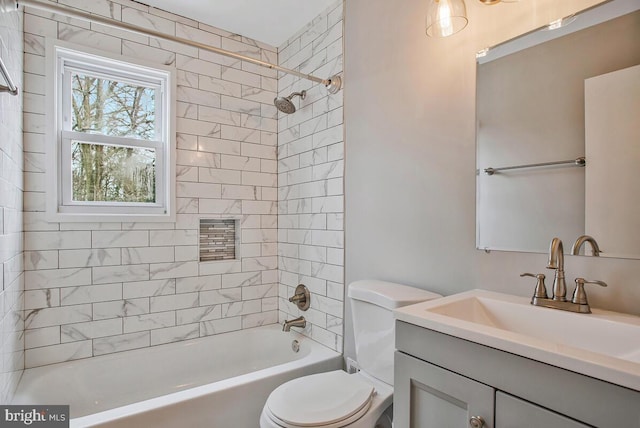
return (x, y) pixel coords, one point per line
(298, 322)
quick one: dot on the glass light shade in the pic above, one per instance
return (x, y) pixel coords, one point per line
(446, 17)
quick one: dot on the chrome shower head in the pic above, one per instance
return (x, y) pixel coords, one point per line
(285, 105)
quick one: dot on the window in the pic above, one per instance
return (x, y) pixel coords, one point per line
(112, 122)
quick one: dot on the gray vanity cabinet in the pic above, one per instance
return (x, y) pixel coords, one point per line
(428, 396)
(442, 381)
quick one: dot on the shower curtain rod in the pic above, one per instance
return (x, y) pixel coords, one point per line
(333, 83)
(11, 87)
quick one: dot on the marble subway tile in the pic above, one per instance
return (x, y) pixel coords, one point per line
(49, 317)
(328, 238)
(259, 263)
(175, 334)
(88, 38)
(57, 278)
(201, 159)
(90, 294)
(38, 337)
(111, 239)
(173, 270)
(227, 164)
(223, 176)
(243, 279)
(161, 287)
(241, 308)
(36, 260)
(199, 66)
(199, 314)
(220, 206)
(335, 290)
(240, 163)
(124, 342)
(124, 273)
(195, 34)
(239, 76)
(143, 255)
(223, 117)
(201, 98)
(259, 319)
(216, 297)
(327, 271)
(120, 308)
(148, 21)
(225, 267)
(149, 321)
(199, 283)
(174, 237)
(258, 151)
(259, 291)
(39, 299)
(98, 7)
(89, 258)
(218, 145)
(56, 240)
(260, 207)
(224, 325)
(173, 302)
(57, 353)
(325, 337)
(187, 253)
(90, 330)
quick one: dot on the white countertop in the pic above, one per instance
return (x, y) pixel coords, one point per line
(604, 345)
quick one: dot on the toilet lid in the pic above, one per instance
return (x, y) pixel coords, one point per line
(320, 399)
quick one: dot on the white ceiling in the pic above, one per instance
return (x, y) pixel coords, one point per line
(268, 21)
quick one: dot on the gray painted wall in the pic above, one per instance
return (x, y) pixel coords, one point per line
(410, 155)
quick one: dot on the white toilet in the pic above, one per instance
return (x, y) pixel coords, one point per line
(338, 399)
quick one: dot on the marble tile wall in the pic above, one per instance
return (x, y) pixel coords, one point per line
(310, 180)
(11, 192)
(98, 288)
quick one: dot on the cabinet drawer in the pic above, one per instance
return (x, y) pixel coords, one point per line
(512, 412)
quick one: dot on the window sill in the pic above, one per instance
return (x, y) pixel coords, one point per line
(58, 217)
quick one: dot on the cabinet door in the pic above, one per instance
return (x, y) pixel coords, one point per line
(512, 412)
(427, 396)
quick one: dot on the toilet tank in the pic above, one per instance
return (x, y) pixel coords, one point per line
(372, 305)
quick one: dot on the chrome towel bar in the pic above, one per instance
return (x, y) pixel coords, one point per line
(581, 161)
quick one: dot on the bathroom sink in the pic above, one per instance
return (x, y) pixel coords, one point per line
(603, 345)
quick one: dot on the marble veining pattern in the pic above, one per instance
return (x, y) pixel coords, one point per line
(12, 340)
(97, 288)
(310, 181)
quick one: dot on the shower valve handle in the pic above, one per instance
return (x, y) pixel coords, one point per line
(301, 298)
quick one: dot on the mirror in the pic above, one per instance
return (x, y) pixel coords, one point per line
(558, 135)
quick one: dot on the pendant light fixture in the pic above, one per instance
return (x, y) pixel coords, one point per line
(446, 17)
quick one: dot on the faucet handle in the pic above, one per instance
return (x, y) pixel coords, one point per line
(541, 289)
(579, 295)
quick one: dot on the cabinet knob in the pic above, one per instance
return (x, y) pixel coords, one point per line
(476, 422)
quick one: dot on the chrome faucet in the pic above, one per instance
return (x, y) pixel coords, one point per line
(556, 261)
(595, 248)
(579, 301)
(298, 322)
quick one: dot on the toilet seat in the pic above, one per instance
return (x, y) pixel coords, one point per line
(328, 400)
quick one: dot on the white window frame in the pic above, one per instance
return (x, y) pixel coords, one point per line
(63, 59)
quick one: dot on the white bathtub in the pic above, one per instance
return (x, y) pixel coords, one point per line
(218, 381)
